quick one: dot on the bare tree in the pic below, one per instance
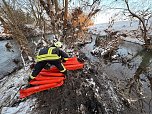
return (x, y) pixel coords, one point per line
(65, 13)
(62, 19)
(142, 20)
(14, 28)
(47, 6)
(65, 23)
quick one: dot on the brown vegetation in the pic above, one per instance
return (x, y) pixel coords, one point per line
(142, 23)
(67, 25)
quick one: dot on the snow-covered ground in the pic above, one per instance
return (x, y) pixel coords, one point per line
(118, 26)
(1, 29)
(23, 108)
(134, 40)
(9, 89)
(3, 35)
(8, 56)
(123, 26)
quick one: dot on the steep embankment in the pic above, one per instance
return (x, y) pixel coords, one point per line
(87, 91)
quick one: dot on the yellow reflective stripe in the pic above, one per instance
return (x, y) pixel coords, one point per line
(32, 77)
(65, 58)
(47, 55)
(44, 55)
(47, 58)
(63, 67)
(63, 70)
(49, 51)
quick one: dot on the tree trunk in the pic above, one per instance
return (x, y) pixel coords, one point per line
(50, 14)
(65, 13)
(56, 5)
(144, 29)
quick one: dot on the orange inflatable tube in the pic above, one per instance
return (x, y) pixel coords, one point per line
(74, 67)
(29, 91)
(50, 78)
(46, 81)
(68, 67)
(71, 61)
(39, 78)
(51, 74)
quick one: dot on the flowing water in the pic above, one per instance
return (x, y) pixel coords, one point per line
(133, 63)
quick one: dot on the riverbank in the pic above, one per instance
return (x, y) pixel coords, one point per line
(99, 88)
(4, 36)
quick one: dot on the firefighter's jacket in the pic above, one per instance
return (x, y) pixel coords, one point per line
(51, 53)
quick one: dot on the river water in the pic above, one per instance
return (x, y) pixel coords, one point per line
(133, 63)
(6, 59)
(7, 65)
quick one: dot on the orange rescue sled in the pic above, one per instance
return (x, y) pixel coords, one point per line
(50, 78)
(46, 81)
(47, 73)
(68, 67)
(40, 78)
(31, 90)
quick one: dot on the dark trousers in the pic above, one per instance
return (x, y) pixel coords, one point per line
(40, 65)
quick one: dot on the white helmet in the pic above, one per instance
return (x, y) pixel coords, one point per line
(58, 44)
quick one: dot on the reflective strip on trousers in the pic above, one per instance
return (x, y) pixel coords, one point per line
(63, 67)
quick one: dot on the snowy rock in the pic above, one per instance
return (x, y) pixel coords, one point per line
(9, 90)
(23, 108)
(114, 56)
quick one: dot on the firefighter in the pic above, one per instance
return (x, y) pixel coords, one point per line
(50, 56)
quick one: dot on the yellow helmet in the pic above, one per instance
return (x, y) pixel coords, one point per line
(58, 44)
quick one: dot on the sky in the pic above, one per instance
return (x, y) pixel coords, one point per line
(104, 16)
(106, 13)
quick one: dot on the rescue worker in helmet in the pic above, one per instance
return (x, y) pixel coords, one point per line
(51, 55)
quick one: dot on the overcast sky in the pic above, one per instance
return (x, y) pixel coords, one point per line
(105, 15)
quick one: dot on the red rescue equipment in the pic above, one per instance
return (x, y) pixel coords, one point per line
(68, 67)
(50, 78)
(31, 90)
(39, 77)
(51, 74)
(71, 61)
(74, 67)
(46, 81)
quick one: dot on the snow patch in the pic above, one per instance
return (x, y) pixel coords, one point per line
(134, 40)
(118, 26)
(1, 29)
(23, 108)
(9, 89)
